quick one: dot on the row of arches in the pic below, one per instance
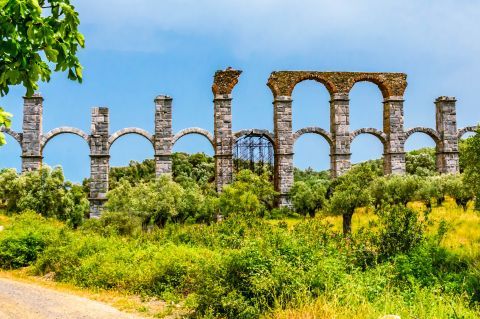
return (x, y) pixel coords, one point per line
(381, 136)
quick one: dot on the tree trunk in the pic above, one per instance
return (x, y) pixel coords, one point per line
(347, 223)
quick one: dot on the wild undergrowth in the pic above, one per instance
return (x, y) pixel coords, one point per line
(251, 268)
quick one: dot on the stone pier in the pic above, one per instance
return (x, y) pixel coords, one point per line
(99, 160)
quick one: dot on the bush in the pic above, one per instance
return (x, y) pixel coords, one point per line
(21, 244)
(400, 231)
(44, 191)
(116, 223)
(249, 195)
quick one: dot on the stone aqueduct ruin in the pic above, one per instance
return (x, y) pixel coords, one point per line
(393, 136)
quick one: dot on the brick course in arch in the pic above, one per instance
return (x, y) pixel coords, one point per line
(393, 135)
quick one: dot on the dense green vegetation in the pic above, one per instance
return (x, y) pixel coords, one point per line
(243, 268)
(233, 255)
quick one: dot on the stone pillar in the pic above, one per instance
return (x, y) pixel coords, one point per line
(340, 129)
(282, 121)
(32, 133)
(394, 155)
(224, 82)
(99, 160)
(446, 124)
(163, 135)
(223, 140)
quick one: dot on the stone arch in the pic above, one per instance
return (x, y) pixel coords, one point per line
(12, 133)
(258, 132)
(314, 130)
(283, 83)
(63, 130)
(193, 130)
(129, 130)
(467, 129)
(425, 130)
(371, 131)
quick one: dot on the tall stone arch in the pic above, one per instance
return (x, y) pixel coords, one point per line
(339, 84)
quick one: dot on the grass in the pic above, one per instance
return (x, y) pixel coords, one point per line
(290, 268)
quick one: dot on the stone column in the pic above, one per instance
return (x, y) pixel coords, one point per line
(223, 140)
(446, 124)
(224, 82)
(394, 156)
(32, 133)
(282, 121)
(99, 160)
(163, 135)
(340, 129)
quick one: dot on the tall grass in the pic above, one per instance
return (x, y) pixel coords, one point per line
(254, 268)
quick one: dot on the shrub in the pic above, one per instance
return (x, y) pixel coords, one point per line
(25, 240)
(117, 223)
(44, 191)
(249, 195)
(400, 230)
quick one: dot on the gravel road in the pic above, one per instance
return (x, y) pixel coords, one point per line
(26, 301)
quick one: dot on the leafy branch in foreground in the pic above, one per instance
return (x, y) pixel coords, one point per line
(5, 121)
(33, 34)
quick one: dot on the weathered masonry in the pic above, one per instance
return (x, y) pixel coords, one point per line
(282, 84)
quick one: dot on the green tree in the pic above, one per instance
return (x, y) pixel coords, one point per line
(430, 190)
(308, 197)
(459, 189)
(249, 195)
(44, 191)
(421, 162)
(351, 191)
(471, 162)
(395, 190)
(154, 202)
(36, 35)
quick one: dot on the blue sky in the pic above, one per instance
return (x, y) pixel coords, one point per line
(137, 51)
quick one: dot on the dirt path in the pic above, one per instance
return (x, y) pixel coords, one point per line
(25, 301)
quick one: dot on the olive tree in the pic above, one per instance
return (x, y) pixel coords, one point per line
(154, 202)
(460, 190)
(351, 191)
(471, 160)
(308, 197)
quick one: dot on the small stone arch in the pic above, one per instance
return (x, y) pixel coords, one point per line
(193, 130)
(257, 132)
(426, 130)
(467, 129)
(129, 130)
(63, 130)
(372, 131)
(314, 130)
(390, 84)
(17, 136)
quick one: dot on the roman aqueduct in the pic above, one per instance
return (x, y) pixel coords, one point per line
(339, 137)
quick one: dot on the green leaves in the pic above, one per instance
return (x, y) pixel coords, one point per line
(31, 36)
(5, 121)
